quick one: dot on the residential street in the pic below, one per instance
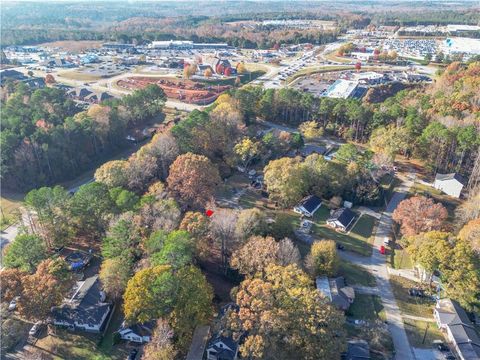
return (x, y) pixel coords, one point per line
(378, 267)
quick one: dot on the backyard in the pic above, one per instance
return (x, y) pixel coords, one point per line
(367, 307)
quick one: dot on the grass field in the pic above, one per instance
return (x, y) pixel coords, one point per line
(367, 307)
(9, 204)
(421, 334)
(78, 75)
(358, 240)
(332, 57)
(410, 305)
(317, 70)
(355, 275)
(244, 78)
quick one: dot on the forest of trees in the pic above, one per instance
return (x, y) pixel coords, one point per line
(46, 139)
(147, 215)
(25, 24)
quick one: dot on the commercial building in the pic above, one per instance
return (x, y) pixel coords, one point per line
(341, 89)
(185, 45)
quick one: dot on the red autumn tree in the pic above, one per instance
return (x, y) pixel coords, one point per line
(419, 214)
(192, 180)
(49, 79)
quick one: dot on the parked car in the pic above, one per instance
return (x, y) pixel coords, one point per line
(440, 345)
(416, 292)
(13, 304)
(35, 328)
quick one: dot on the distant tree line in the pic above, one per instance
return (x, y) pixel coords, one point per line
(45, 138)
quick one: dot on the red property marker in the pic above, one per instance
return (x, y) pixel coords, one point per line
(209, 213)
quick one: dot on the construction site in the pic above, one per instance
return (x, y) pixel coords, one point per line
(187, 91)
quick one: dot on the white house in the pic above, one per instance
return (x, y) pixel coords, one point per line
(308, 206)
(139, 333)
(461, 333)
(222, 348)
(341, 219)
(86, 310)
(451, 184)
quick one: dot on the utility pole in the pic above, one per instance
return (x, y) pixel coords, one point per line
(425, 334)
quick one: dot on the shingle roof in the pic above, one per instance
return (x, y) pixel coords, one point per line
(467, 340)
(141, 329)
(224, 353)
(86, 305)
(310, 203)
(343, 215)
(451, 176)
(450, 312)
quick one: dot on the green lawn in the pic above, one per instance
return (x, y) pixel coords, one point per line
(359, 239)
(421, 334)
(9, 208)
(355, 275)
(400, 259)
(244, 78)
(410, 305)
(367, 307)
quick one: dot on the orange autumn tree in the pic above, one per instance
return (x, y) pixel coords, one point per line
(419, 214)
(193, 180)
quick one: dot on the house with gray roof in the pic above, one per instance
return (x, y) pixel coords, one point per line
(86, 310)
(222, 348)
(461, 333)
(308, 206)
(341, 219)
(139, 333)
(451, 184)
(309, 149)
(336, 291)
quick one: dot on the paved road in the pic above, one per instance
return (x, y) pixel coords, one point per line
(379, 268)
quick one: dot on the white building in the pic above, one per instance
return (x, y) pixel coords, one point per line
(308, 206)
(139, 333)
(341, 89)
(453, 320)
(86, 310)
(451, 184)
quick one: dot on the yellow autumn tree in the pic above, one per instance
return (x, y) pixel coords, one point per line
(310, 130)
(283, 316)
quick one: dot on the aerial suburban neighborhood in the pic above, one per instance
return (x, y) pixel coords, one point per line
(278, 180)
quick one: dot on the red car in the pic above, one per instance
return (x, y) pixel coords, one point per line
(382, 250)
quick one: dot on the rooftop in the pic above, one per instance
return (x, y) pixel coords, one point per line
(341, 89)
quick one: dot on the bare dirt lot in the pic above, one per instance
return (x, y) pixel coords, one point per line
(185, 90)
(74, 46)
